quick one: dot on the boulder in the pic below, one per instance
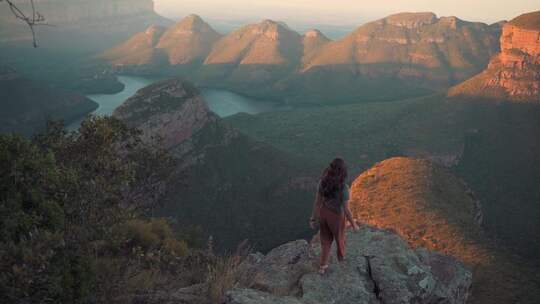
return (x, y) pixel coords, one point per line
(379, 268)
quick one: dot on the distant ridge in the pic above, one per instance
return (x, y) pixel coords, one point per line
(402, 55)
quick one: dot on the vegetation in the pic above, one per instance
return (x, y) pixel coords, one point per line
(74, 217)
(361, 133)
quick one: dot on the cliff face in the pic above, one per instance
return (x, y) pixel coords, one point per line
(90, 25)
(514, 74)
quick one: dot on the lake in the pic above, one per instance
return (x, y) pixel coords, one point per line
(222, 102)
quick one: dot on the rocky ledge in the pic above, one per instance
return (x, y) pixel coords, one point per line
(379, 268)
(168, 112)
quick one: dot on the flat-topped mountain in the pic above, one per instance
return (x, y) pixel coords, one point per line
(514, 74)
(412, 47)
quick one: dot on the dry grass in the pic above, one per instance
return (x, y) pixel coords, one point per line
(223, 275)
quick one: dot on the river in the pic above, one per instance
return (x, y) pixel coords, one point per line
(222, 102)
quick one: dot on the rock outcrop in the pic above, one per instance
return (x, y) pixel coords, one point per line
(379, 268)
(237, 187)
(167, 112)
(431, 208)
(514, 74)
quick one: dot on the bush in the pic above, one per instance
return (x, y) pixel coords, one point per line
(60, 194)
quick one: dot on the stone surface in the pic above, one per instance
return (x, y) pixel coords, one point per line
(379, 268)
(514, 74)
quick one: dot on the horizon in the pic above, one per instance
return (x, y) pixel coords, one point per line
(340, 13)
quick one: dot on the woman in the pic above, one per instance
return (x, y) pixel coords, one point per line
(331, 209)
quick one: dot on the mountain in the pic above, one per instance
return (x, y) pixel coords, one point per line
(312, 40)
(403, 55)
(514, 74)
(253, 58)
(230, 185)
(139, 49)
(431, 208)
(26, 105)
(406, 50)
(85, 25)
(268, 42)
(188, 41)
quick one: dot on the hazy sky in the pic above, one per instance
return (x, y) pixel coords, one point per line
(343, 12)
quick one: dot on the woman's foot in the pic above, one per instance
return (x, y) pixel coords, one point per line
(322, 269)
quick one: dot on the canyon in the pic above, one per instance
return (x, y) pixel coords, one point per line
(413, 53)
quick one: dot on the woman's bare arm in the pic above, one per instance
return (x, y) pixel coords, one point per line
(349, 215)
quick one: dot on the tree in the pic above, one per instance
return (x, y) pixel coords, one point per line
(62, 197)
(33, 19)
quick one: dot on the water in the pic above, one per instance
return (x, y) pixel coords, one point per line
(109, 102)
(222, 102)
(225, 103)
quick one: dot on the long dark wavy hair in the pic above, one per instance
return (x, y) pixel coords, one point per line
(333, 179)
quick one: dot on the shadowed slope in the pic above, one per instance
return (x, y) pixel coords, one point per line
(27, 105)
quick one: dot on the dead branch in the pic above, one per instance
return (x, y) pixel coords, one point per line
(32, 20)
